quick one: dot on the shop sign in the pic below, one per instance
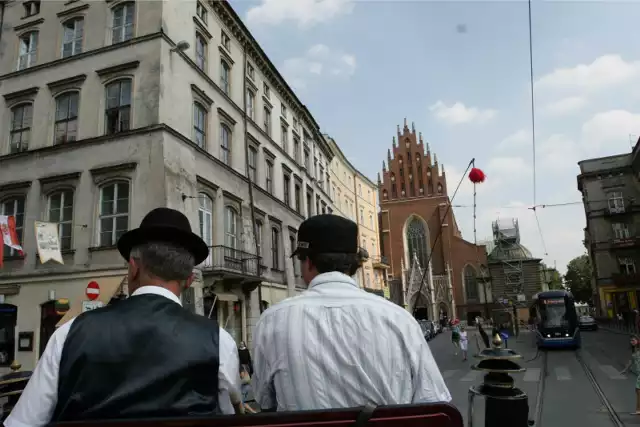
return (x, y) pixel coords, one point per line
(91, 305)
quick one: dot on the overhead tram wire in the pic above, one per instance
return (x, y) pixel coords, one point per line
(533, 129)
(440, 229)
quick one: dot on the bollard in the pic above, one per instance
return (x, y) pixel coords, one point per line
(11, 387)
(505, 405)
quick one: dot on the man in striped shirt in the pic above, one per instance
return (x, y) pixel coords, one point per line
(335, 345)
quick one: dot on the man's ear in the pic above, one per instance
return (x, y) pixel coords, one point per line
(189, 281)
(134, 268)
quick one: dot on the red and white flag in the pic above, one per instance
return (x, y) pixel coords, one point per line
(8, 235)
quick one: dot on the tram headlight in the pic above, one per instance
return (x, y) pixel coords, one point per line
(548, 335)
(566, 335)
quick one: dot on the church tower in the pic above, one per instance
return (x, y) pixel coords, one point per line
(414, 222)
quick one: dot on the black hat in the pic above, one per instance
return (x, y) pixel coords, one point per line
(164, 225)
(327, 234)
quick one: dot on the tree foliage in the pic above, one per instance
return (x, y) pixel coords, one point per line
(578, 278)
(552, 277)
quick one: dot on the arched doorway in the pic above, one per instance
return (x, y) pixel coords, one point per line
(49, 318)
(421, 306)
(443, 313)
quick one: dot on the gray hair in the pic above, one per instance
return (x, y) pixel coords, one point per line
(165, 261)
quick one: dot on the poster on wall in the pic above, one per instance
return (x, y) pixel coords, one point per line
(48, 242)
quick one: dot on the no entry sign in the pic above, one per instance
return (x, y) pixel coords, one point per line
(93, 290)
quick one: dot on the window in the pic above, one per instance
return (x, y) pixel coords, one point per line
(616, 201)
(259, 227)
(283, 110)
(114, 212)
(267, 120)
(251, 72)
(230, 228)
(122, 29)
(205, 218)
(361, 216)
(309, 205)
(225, 41)
(118, 112)
(627, 266)
(364, 244)
(28, 50)
(225, 144)
(286, 182)
(284, 135)
(201, 11)
(66, 124)
(298, 196)
(199, 125)
(253, 159)
(60, 210)
(275, 246)
(20, 133)
(225, 74)
(417, 242)
(267, 90)
(251, 103)
(31, 8)
(620, 231)
(201, 53)
(296, 123)
(296, 149)
(269, 176)
(371, 221)
(307, 160)
(73, 32)
(368, 282)
(292, 247)
(14, 207)
(470, 283)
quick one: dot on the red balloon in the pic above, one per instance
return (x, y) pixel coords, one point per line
(476, 175)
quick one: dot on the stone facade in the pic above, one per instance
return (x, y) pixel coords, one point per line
(413, 202)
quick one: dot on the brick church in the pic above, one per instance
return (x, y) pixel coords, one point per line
(413, 211)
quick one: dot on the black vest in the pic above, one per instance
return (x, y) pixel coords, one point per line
(143, 357)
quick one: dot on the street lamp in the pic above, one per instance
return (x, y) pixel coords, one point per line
(181, 46)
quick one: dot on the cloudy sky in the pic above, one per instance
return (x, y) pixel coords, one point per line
(460, 72)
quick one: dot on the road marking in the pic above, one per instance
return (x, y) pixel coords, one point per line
(532, 375)
(471, 376)
(612, 372)
(562, 373)
(448, 374)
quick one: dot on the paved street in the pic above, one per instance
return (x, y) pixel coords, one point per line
(568, 395)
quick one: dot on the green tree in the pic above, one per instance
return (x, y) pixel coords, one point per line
(578, 278)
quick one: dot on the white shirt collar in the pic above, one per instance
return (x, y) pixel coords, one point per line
(332, 277)
(157, 290)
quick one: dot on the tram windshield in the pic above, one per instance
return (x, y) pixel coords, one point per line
(554, 313)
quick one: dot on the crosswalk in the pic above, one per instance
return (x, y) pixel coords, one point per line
(532, 375)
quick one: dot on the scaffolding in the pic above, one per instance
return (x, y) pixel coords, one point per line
(506, 237)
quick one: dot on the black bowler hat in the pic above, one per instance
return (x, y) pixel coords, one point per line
(164, 225)
(322, 234)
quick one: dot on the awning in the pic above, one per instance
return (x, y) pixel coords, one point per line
(227, 297)
(108, 288)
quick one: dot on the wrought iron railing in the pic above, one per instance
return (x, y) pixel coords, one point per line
(234, 260)
(380, 260)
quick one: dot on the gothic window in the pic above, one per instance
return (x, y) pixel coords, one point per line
(471, 283)
(417, 241)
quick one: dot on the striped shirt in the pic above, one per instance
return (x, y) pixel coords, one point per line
(337, 346)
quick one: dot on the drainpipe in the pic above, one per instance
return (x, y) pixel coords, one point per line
(2, 6)
(246, 166)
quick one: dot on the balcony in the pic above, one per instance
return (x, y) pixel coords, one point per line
(624, 280)
(614, 210)
(233, 264)
(380, 262)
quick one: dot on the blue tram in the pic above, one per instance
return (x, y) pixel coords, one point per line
(556, 320)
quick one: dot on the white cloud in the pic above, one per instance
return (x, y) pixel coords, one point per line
(458, 113)
(610, 132)
(305, 13)
(565, 106)
(605, 71)
(318, 61)
(518, 139)
(558, 152)
(511, 167)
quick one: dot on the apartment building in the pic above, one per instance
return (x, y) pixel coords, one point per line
(356, 197)
(610, 193)
(112, 108)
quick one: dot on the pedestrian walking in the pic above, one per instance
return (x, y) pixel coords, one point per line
(336, 345)
(455, 336)
(145, 356)
(483, 334)
(634, 366)
(245, 358)
(464, 342)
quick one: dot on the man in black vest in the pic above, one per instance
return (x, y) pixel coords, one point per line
(145, 356)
